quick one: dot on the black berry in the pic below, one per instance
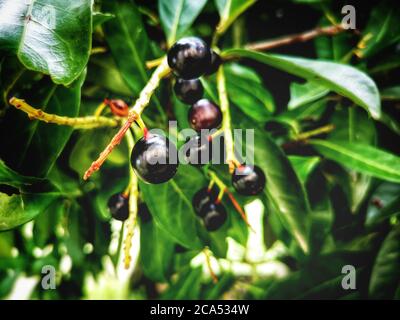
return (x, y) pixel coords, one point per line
(144, 213)
(204, 115)
(154, 159)
(199, 151)
(188, 91)
(203, 197)
(118, 205)
(214, 215)
(216, 61)
(248, 180)
(189, 57)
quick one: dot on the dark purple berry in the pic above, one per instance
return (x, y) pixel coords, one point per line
(188, 91)
(248, 180)
(203, 197)
(154, 159)
(118, 205)
(214, 215)
(189, 57)
(216, 61)
(204, 115)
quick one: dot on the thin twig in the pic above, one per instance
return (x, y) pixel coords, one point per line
(299, 37)
(226, 121)
(133, 208)
(87, 122)
(208, 261)
(134, 113)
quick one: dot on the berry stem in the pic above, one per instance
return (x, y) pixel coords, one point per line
(224, 188)
(226, 121)
(100, 108)
(131, 222)
(88, 122)
(134, 113)
(154, 63)
(214, 277)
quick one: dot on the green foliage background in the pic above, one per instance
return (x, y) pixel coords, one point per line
(332, 198)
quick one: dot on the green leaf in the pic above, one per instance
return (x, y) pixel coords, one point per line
(12, 178)
(229, 10)
(383, 29)
(49, 36)
(180, 223)
(34, 148)
(178, 15)
(303, 166)
(246, 91)
(301, 94)
(320, 278)
(341, 78)
(103, 72)
(283, 187)
(18, 209)
(127, 39)
(353, 125)
(385, 275)
(385, 203)
(294, 117)
(99, 18)
(187, 286)
(362, 158)
(156, 251)
(391, 93)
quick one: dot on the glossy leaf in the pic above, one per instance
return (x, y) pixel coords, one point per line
(384, 204)
(361, 158)
(303, 166)
(179, 223)
(156, 250)
(382, 30)
(229, 10)
(246, 91)
(283, 186)
(343, 79)
(12, 178)
(353, 125)
(52, 37)
(301, 94)
(178, 15)
(385, 275)
(34, 149)
(100, 17)
(18, 209)
(129, 44)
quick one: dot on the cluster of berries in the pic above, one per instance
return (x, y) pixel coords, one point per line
(246, 180)
(155, 160)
